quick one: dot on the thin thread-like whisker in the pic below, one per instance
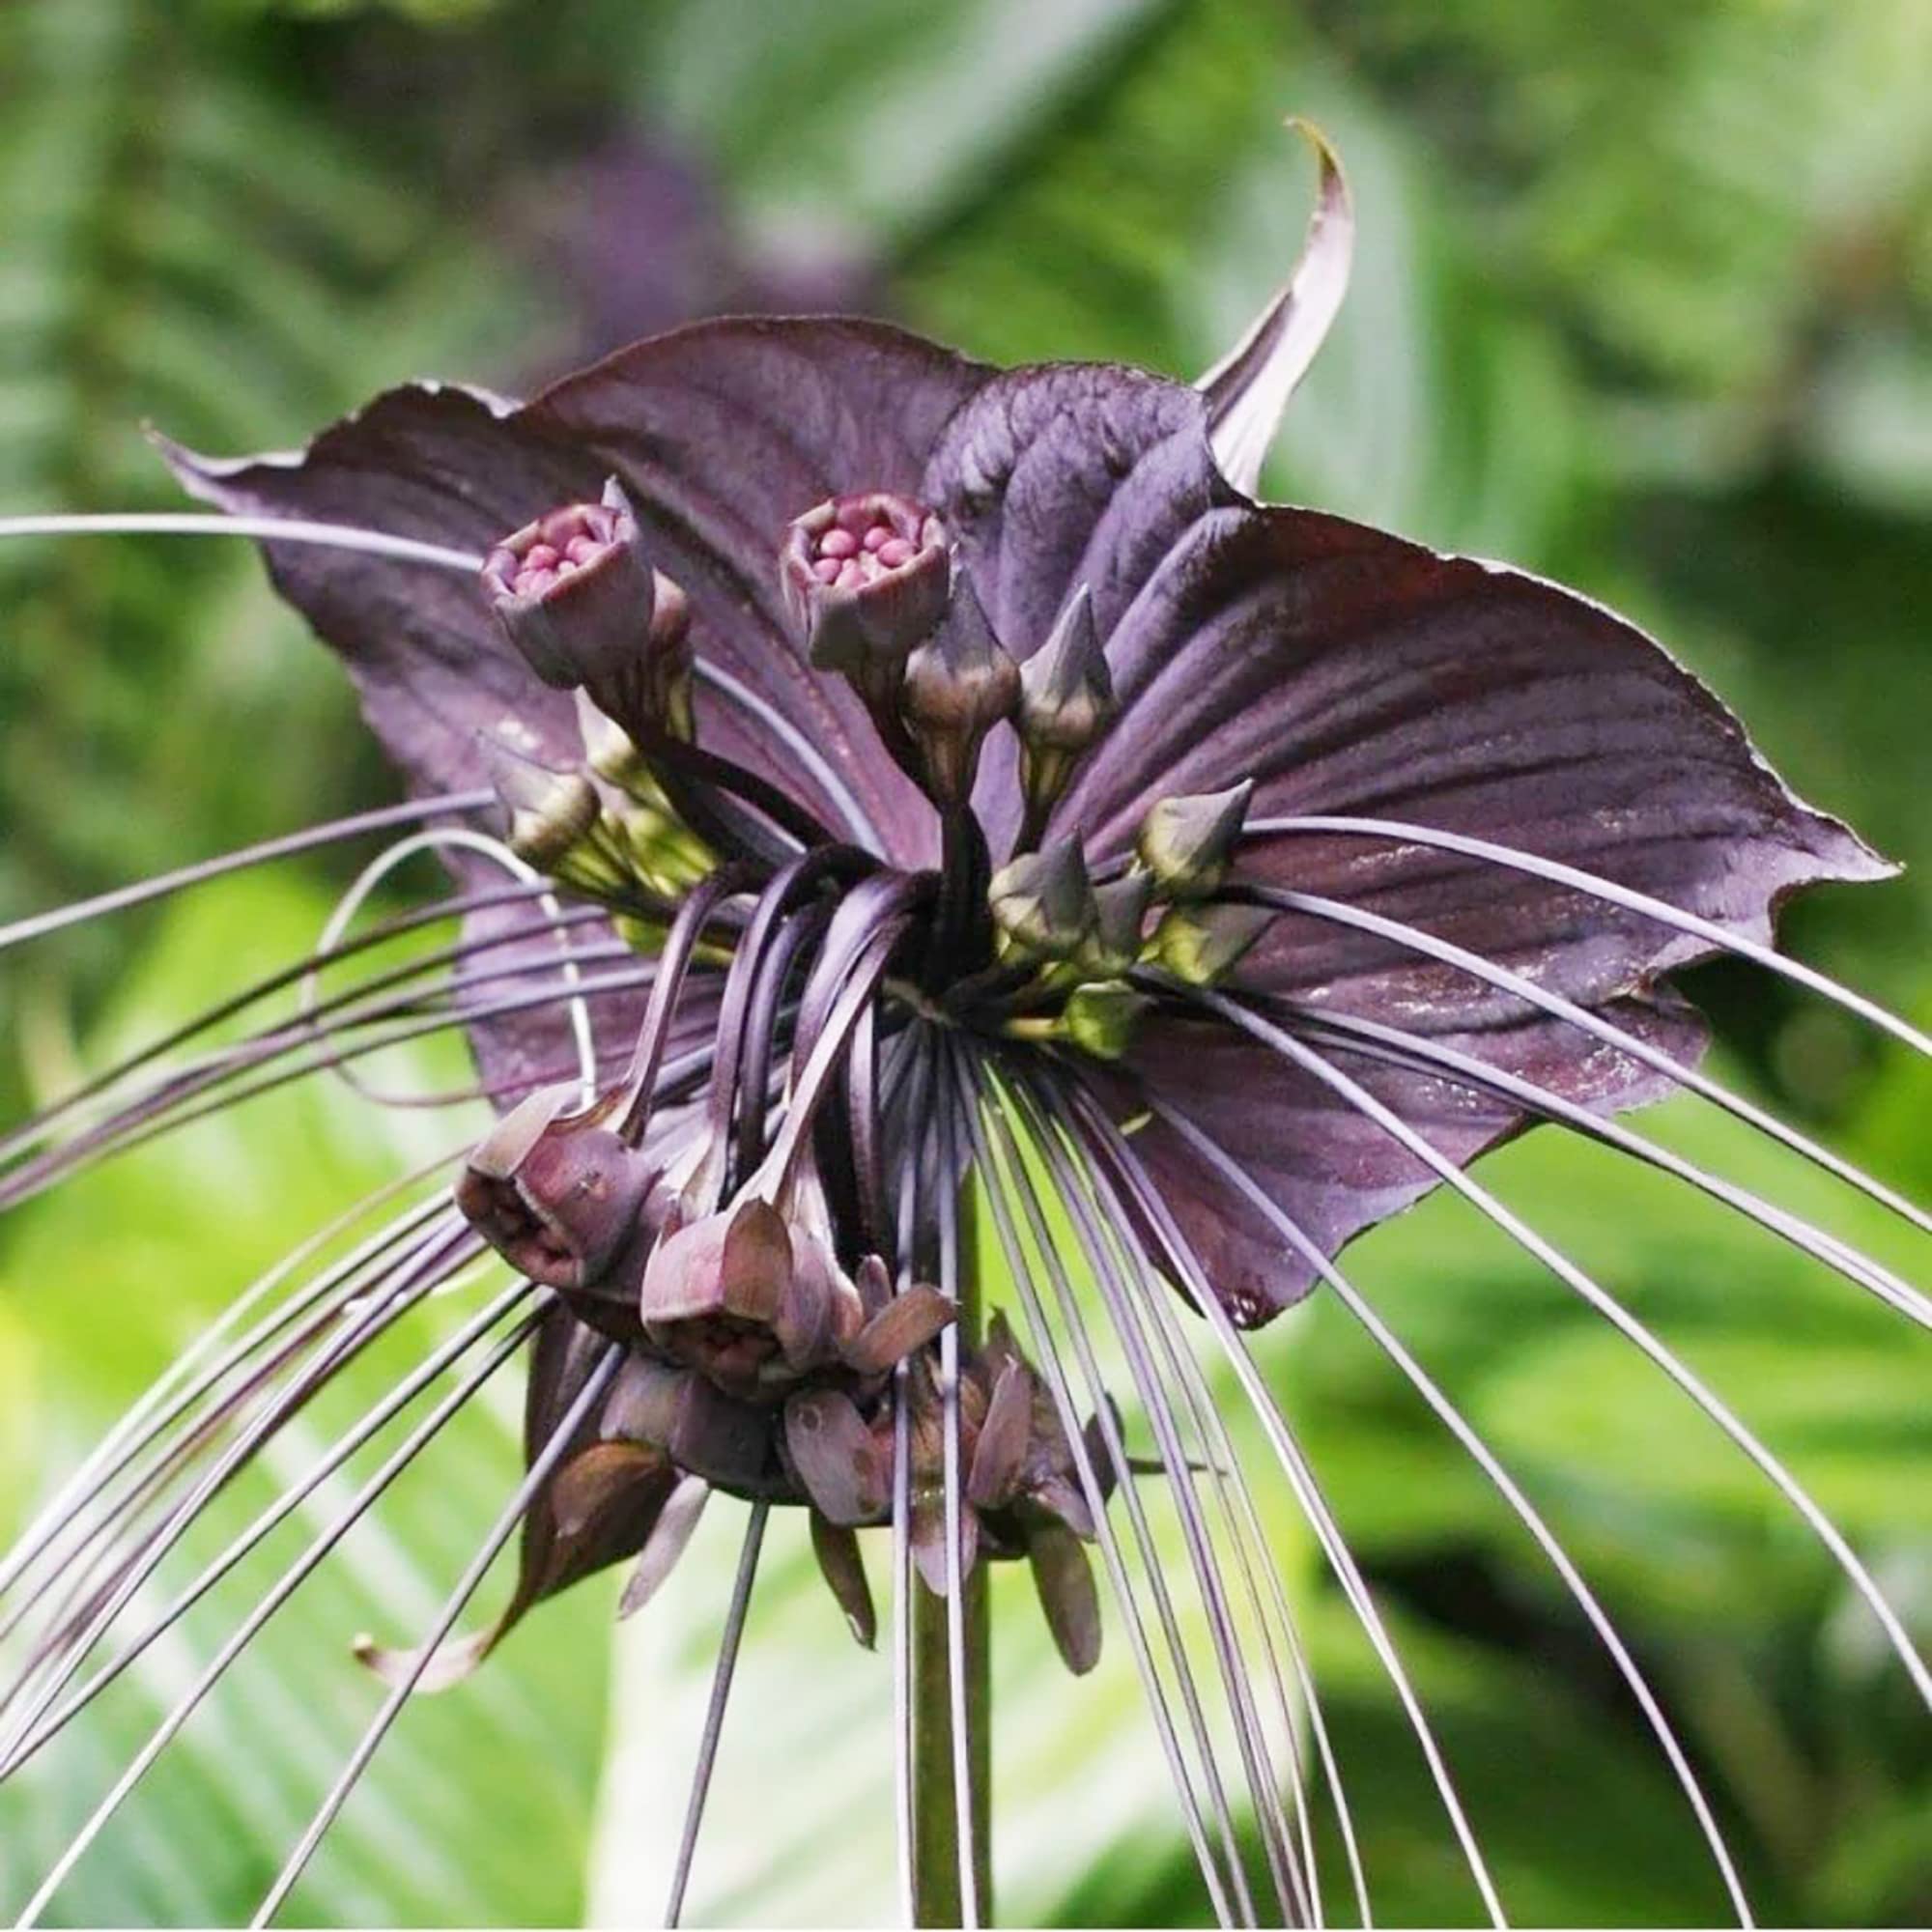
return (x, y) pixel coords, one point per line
(714, 1715)
(164, 1400)
(276, 1513)
(1346, 1031)
(1118, 1175)
(1307, 1498)
(37, 1125)
(311, 1312)
(411, 549)
(1175, 1463)
(352, 1010)
(460, 839)
(947, 1217)
(89, 1608)
(413, 1279)
(1530, 1517)
(73, 1157)
(1608, 890)
(1414, 939)
(1607, 1305)
(93, 1542)
(1012, 1160)
(298, 1573)
(1019, 1269)
(275, 529)
(505, 1526)
(38, 924)
(1105, 1215)
(824, 774)
(1157, 1298)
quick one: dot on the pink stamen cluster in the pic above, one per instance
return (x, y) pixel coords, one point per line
(861, 546)
(560, 545)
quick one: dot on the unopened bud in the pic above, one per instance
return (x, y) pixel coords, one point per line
(866, 579)
(959, 685)
(1200, 944)
(1186, 842)
(574, 591)
(662, 685)
(1102, 1016)
(1041, 901)
(1120, 909)
(552, 813)
(1066, 700)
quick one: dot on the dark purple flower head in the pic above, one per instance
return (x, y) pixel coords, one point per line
(573, 589)
(866, 579)
(968, 792)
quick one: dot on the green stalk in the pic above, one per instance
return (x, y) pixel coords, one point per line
(935, 1864)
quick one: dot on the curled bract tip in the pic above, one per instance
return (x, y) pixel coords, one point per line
(1248, 390)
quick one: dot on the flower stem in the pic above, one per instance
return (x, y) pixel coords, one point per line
(938, 1895)
(936, 1892)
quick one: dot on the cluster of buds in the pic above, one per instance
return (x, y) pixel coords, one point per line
(878, 594)
(757, 1364)
(576, 594)
(1023, 1495)
(1085, 940)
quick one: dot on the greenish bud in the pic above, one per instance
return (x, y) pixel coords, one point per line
(1102, 1016)
(552, 813)
(1200, 944)
(1186, 842)
(1120, 909)
(609, 750)
(1042, 904)
(1066, 700)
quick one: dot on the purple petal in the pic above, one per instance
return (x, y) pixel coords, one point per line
(719, 432)
(835, 1456)
(1063, 1576)
(1332, 1172)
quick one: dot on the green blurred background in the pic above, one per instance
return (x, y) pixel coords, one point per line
(1643, 300)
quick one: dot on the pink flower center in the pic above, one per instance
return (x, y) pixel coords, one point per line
(862, 546)
(565, 542)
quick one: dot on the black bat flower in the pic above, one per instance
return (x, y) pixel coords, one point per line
(927, 786)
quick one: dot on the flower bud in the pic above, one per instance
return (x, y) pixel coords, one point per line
(556, 1192)
(1200, 944)
(1100, 1018)
(1041, 901)
(1066, 700)
(1120, 911)
(959, 685)
(866, 579)
(552, 813)
(574, 591)
(1186, 842)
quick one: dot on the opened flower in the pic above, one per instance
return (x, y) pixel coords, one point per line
(923, 786)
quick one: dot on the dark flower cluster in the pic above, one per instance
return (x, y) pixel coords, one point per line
(941, 802)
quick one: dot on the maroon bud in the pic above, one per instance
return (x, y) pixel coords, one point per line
(557, 1194)
(866, 579)
(575, 591)
(713, 1293)
(959, 685)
